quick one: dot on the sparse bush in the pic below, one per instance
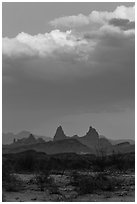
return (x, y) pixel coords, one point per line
(82, 183)
(10, 182)
(85, 184)
(44, 180)
(31, 161)
(99, 163)
(26, 162)
(106, 183)
(122, 162)
(53, 189)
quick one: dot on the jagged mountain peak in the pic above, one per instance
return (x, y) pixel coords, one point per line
(92, 133)
(59, 135)
(60, 128)
(31, 138)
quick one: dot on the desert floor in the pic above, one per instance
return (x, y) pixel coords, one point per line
(31, 193)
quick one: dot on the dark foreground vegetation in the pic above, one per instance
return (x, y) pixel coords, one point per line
(31, 161)
(86, 174)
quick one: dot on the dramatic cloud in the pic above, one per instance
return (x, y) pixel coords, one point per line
(69, 43)
(95, 18)
(87, 69)
(73, 45)
(88, 62)
(41, 45)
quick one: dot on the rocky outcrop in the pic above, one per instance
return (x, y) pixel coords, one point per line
(91, 138)
(92, 134)
(59, 135)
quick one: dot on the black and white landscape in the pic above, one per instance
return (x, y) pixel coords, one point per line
(68, 86)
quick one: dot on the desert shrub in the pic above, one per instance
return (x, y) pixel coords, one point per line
(42, 179)
(53, 188)
(41, 165)
(5, 171)
(10, 182)
(82, 183)
(116, 161)
(85, 184)
(78, 164)
(122, 162)
(26, 162)
(107, 183)
(31, 161)
(45, 181)
(99, 163)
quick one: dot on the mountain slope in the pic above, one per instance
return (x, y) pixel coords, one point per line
(62, 146)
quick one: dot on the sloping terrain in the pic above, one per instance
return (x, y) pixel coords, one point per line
(62, 146)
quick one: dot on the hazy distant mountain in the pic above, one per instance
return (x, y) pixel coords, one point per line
(114, 142)
(52, 147)
(27, 141)
(124, 147)
(7, 138)
(91, 142)
(118, 141)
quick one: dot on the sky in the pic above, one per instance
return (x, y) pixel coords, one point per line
(69, 64)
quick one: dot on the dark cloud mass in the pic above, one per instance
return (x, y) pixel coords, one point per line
(124, 24)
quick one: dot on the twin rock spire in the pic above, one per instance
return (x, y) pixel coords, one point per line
(60, 135)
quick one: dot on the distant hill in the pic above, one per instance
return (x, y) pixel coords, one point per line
(114, 142)
(118, 141)
(124, 147)
(7, 138)
(55, 147)
(30, 140)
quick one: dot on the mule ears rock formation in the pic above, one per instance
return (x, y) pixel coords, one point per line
(92, 134)
(91, 139)
(59, 135)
